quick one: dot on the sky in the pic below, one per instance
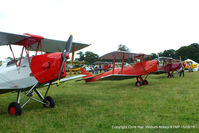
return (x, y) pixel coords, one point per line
(144, 26)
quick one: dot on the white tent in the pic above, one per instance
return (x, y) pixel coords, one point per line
(193, 62)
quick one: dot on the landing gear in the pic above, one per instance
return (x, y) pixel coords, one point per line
(141, 81)
(15, 108)
(49, 102)
(138, 83)
(170, 75)
(145, 82)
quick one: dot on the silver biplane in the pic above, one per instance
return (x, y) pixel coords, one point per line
(28, 73)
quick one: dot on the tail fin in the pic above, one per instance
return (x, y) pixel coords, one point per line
(84, 72)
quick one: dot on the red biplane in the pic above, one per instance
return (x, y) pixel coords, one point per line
(29, 73)
(105, 66)
(137, 70)
(168, 65)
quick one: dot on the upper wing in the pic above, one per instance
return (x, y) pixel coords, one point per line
(120, 54)
(117, 77)
(10, 38)
(48, 45)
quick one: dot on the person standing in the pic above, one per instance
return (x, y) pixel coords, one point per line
(96, 69)
(100, 68)
(182, 70)
(190, 70)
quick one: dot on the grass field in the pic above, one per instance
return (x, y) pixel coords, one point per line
(106, 105)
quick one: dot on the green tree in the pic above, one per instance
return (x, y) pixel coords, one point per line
(10, 58)
(123, 48)
(81, 56)
(169, 53)
(191, 52)
(90, 57)
(153, 56)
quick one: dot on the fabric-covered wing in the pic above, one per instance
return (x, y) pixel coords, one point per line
(117, 77)
(49, 46)
(10, 38)
(159, 72)
(165, 58)
(85, 78)
(119, 55)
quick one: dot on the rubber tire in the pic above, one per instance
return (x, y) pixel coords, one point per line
(50, 102)
(17, 107)
(138, 84)
(145, 82)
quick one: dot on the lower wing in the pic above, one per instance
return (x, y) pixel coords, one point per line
(66, 79)
(117, 77)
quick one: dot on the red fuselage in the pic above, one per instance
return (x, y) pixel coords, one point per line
(139, 69)
(106, 67)
(170, 67)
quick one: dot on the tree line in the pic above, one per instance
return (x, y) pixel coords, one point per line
(90, 57)
(185, 52)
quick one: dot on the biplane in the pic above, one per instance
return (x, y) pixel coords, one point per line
(105, 66)
(191, 65)
(29, 73)
(168, 65)
(139, 70)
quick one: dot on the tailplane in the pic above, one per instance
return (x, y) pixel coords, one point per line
(84, 72)
(88, 77)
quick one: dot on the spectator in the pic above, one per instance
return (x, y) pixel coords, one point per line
(189, 66)
(181, 70)
(100, 68)
(96, 69)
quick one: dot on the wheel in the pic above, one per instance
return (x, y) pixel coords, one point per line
(145, 82)
(14, 109)
(49, 102)
(170, 75)
(138, 83)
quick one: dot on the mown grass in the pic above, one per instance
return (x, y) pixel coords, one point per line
(100, 106)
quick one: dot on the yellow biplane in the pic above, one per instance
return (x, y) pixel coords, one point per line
(190, 65)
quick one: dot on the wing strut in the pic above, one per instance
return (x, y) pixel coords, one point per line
(27, 51)
(13, 55)
(21, 56)
(26, 47)
(122, 63)
(39, 45)
(113, 66)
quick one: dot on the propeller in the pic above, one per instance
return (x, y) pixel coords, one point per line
(65, 55)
